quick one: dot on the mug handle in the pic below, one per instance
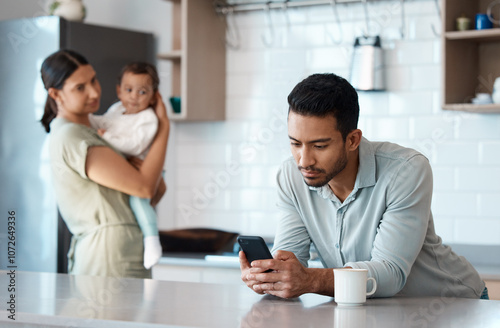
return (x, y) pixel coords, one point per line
(371, 292)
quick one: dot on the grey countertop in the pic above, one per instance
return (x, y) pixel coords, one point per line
(211, 260)
(60, 300)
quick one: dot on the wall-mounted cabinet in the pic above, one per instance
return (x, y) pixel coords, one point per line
(470, 58)
(198, 59)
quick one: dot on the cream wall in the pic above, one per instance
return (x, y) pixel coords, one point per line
(464, 149)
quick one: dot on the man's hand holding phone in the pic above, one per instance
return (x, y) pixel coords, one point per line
(288, 278)
(283, 276)
(247, 274)
(253, 250)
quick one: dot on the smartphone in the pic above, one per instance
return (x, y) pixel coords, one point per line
(254, 247)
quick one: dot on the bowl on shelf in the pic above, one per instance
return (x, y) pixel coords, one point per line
(482, 99)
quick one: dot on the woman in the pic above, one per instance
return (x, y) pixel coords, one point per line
(92, 181)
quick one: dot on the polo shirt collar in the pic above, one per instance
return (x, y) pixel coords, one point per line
(367, 167)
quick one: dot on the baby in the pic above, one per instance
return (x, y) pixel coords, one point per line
(130, 126)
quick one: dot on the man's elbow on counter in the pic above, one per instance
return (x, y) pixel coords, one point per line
(386, 292)
(389, 288)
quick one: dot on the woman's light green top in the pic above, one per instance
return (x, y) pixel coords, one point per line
(106, 238)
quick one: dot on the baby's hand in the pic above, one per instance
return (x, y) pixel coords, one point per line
(101, 132)
(135, 161)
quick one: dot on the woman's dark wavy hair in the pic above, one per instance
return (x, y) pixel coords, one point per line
(327, 94)
(55, 70)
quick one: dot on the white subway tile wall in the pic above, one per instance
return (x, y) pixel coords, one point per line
(223, 173)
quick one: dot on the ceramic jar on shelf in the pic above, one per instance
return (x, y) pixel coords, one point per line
(72, 10)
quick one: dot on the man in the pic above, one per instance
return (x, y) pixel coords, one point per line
(362, 204)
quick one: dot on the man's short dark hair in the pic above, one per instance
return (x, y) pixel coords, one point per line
(327, 94)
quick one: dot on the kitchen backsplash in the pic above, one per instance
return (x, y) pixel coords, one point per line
(222, 174)
(464, 149)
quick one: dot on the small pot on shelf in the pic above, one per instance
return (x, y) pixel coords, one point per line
(496, 91)
(72, 10)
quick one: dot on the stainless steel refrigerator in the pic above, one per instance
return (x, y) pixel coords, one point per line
(41, 237)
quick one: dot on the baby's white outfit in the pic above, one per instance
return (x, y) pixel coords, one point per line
(131, 134)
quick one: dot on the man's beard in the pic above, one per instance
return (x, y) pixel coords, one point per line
(339, 166)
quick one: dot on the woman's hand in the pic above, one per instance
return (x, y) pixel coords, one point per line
(161, 110)
(160, 191)
(162, 187)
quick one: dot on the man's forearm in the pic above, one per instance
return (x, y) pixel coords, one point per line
(321, 281)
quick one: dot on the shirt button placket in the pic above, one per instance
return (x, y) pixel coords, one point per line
(340, 217)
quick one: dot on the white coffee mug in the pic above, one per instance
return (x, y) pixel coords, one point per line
(350, 286)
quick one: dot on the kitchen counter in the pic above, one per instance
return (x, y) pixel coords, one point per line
(491, 272)
(211, 260)
(57, 300)
(484, 258)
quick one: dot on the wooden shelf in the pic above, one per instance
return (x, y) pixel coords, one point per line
(470, 58)
(172, 55)
(198, 61)
(473, 108)
(475, 35)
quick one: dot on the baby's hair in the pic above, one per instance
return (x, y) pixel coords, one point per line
(141, 68)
